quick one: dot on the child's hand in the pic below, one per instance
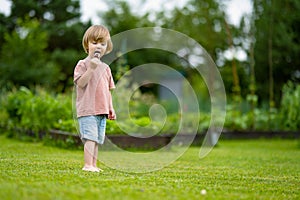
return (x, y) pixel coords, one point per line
(94, 63)
(96, 59)
(112, 115)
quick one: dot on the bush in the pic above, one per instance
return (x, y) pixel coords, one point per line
(4, 117)
(235, 120)
(40, 111)
(67, 125)
(144, 125)
(23, 58)
(14, 101)
(260, 119)
(290, 107)
(141, 125)
(37, 112)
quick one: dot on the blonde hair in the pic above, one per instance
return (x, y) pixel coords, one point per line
(97, 33)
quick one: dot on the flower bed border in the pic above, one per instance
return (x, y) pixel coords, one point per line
(155, 142)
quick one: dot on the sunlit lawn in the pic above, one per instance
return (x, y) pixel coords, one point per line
(244, 169)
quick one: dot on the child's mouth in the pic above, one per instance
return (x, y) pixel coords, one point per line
(97, 54)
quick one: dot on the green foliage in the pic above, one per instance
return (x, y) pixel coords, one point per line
(4, 116)
(112, 128)
(200, 20)
(68, 143)
(37, 112)
(41, 111)
(65, 60)
(141, 125)
(257, 119)
(227, 77)
(67, 125)
(41, 43)
(15, 99)
(235, 120)
(277, 43)
(290, 106)
(59, 18)
(3, 28)
(23, 59)
(172, 125)
(120, 18)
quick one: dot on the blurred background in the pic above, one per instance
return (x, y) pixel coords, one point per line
(254, 43)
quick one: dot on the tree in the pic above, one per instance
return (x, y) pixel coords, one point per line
(277, 46)
(121, 18)
(60, 20)
(23, 59)
(3, 28)
(202, 21)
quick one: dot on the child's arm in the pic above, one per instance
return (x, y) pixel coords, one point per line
(84, 79)
(112, 114)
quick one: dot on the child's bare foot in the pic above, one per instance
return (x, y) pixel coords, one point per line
(99, 170)
(91, 169)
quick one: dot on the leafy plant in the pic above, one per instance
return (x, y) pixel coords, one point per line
(67, 125)
(290, 107)
(38, 111)
(235, 120)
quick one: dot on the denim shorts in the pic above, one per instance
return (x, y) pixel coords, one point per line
(92, 128)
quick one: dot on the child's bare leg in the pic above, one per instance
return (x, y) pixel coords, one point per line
(95, 156)
(89, 147)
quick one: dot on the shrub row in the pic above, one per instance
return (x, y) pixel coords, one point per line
(41, 111)
(35, 111)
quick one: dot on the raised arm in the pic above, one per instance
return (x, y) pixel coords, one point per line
(84, 79)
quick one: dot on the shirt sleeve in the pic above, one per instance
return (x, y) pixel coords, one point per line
(79, 70)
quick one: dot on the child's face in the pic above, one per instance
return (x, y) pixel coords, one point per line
(97, 46)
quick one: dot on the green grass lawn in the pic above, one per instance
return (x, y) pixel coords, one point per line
(244, 169)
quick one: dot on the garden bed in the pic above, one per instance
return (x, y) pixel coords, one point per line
(156, 142)
(122, 141)
(259, 134)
